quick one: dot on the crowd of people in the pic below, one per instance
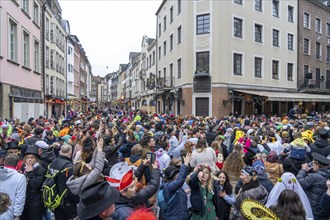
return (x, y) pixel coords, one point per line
(111, 163)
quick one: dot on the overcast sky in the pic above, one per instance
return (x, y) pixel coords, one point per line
(109, 29)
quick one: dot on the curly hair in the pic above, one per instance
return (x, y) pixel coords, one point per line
(234, 164)
(209, 183)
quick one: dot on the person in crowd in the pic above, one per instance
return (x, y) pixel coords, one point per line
(142, 214)
(148, 144)
(251, 188)
(46, 153)
(289, 206)
(294, 112)
(321, 144)
(298, 146)
(273, 167)
(85, 174)
(13, 184)
(14, 148)
(210, 135)
(50, 138)
(289, 181)
(67, 210)
(313, 181)
(97, 201)
(174, 178)
(263, 176)
(162, 158)
(202, 192)
(35, 176)
(203, 154)
(3, 154)
(131, 195)
(325, 201)
(223, 195)
(294, 162)
(111, 148)
(85, 154)
(234, 164)
(38, 131)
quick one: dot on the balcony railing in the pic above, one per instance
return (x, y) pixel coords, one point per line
(312, 84)
(165, 82)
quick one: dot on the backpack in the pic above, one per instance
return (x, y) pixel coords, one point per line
(50, 195)
(163, 205)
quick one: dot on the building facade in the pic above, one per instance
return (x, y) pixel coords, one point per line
(218, 57)
(20, 59)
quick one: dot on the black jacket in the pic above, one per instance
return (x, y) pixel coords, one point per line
(321, 146)
(111, 152)
(34, 205)
(59, 164)
(210, 136)
(314, 185)
(222, 208)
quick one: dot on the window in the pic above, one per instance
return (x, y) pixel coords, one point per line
(159, 29)
(179, 68)
(179, 35)
(238, 27)
(47, 29)
(159, 52)
(306, 20)
(153, 57)
(171, 71)
(290, 41)
(47, 57)
(26, 49)
(328, 29)
(257, 67)
(179, 6)
(164, 23)
(25, 6)
(306, 46)
(258, 33)
(290, 13)
(290, 72)
(171, 15)
(318, 51)
(306, 71)
(202, 62)
(164, 47)
(318, 25)
(328, 54)
(12, 40)
(203, 24)
(36, 13)
(52, 66)
(276, 38)
(258, 5)
(36, 56)
(52, 85)
(47, 84)
(171, 42)
(275, 69)
(275, 8)
(239, 2)
(237, 64)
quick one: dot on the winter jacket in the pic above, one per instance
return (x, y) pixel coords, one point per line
(143, 173)
(124, 206)
(59, 164)
(265, 181)
(292, 165)
(33, 208)
(32, 140)
(325, 201)
(253, 190)
(174, 143)
(46, 158)
(175, 152)
(222, 205)
(111, 152)
(177, 209)
(163, 159)
(77, 184)
(125, 150)
(321, 146)
(314, 185)
(14, 184)
(298, 144)
(196, 198)
(275, 171)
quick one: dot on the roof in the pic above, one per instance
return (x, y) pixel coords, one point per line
(288, 96)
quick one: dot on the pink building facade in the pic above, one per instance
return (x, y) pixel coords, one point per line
(20, 59)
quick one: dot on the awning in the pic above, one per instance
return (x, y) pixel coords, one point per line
(288, 96)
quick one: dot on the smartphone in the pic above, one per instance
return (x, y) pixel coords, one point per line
(151, 157)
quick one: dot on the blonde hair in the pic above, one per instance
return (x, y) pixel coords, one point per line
(209, 183)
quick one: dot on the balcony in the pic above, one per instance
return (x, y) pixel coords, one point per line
(165, 83)
(313, 85)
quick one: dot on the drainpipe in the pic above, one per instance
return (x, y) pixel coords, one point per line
(44, 7)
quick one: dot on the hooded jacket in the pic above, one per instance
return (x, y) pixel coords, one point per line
(77, 184)
(314, 185)
(275, 171)
(14, 184)
(162, 158)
